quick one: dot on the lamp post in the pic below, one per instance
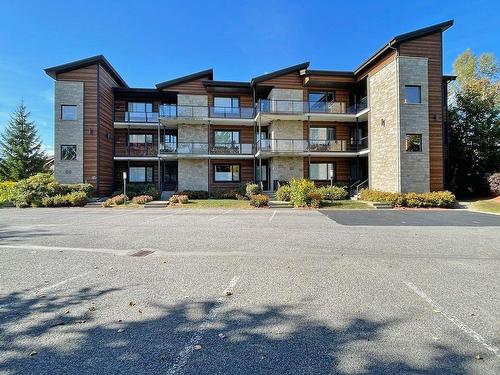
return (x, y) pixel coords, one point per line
(125, 187)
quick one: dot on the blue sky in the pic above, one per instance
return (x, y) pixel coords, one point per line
(152, 41)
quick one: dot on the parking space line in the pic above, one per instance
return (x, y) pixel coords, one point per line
(215, 217)
(56, 285)
(453, 319)
(179, 210)
(183, 356)
(272, 216)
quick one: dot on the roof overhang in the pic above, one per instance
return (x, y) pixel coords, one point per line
(209, 73)
(279, 73)
(99, 59)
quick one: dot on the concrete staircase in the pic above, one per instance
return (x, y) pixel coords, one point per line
(156, 204)
(273, 203)
(382, 205)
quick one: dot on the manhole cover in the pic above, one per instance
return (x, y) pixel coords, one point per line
(142, 253)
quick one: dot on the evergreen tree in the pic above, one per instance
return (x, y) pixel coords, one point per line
(21, 153)
(474, 123)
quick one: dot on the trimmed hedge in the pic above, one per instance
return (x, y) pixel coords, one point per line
(74, 199)
(252, 189)
(299, 191)
(134, 190)
(194, 194)
(441, 199)
(225, 194)
(333, 193)
(259, 200)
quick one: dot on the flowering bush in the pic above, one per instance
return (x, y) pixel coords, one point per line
(142, 199)
(283, 193)
(115, 201)
(259, 200)
(333, 193)
(178, 198)
(299, 189)
(494, 183)
(442, 199)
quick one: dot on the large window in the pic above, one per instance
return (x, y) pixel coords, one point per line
(227, 106)
(412, 94)
(69, 112)
(322, 171)
(68, 152)
(226, 137)
(140, 139)
(227, 173)
(322, 134)
(141, 112)
(318, 101)
(140, 107)
(414, 142)
(140, 174)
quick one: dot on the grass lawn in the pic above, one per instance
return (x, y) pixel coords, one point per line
(214, 203)
(346, 205)
(487, 205)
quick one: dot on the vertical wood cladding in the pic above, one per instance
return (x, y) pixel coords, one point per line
(87, 75)
(342, 168)
(430, 46)
(105, 140)
(246, 173)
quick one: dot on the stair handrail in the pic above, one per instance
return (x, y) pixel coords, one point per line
(360, 184)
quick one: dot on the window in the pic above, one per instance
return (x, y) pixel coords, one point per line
(140, 138)
(68, 152)
(412, 94)
(322, 171)
(140, 107)
(224, 138)
(68, 113)
(140, 174)
(322, 134)
(318, 101)
(414, 142)
(227, 173)
(228, 102)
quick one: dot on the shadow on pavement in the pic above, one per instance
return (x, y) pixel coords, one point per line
(419, 218)
(268, 339)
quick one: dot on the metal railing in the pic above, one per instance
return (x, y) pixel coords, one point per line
(232, 112)
(313, 145)
(201, 148)
(142, 117)
(195, 111)
(301, 107)
(137, 150)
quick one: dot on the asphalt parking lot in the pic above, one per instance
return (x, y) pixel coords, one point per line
(180, 291)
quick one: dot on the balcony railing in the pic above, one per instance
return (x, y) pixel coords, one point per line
(301, 107)
(303, 145)
(143, 117)
(137, 150)
(194, 148)
(173, 111)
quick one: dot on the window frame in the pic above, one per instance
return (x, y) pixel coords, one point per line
(145, 107)
(231, 165)
(419, 94)
(140, 143)
(226, 131)
(145, 181)
(421, 148)
(76, 152)
(231, 98)
(72, 106)
(329, 129)
(334, 168)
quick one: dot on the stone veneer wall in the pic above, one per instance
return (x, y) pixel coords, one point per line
(414, 119)
(383, 130)
(285, 129)
(68, 132)
(192, 105)
(284, 168)
(192, 133)
(192, 174)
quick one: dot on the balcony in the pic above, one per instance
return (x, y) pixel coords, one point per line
(136, 151)
(129, 118)
(173, 113)
(271, 109)
(194, 149)
(312, 147)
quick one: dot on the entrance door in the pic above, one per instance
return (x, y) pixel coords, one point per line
(170, 176)
(264, 172)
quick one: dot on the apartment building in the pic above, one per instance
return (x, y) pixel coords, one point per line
(381, 125)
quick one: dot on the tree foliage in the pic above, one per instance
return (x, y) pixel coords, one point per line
(21, 153)
(474, 123)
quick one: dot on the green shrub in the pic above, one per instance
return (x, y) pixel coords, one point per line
(252, 189)
(225, 194)
(442, 199)
(494, 183)
(241, 197)
(6, 191)
(63, 189)
(194, 194)
(299, 190)
(333, 193)
(179, 198)
(74, 199)
(283, 193)
(31, 191)
(142, 199)
(115, 201)
(314, 199)
(259, 200)
(134, 190)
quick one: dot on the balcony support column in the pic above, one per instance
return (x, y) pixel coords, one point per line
(209, 163)
(159, 175)
(308, 132)
(357, 134)
(128, 140)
